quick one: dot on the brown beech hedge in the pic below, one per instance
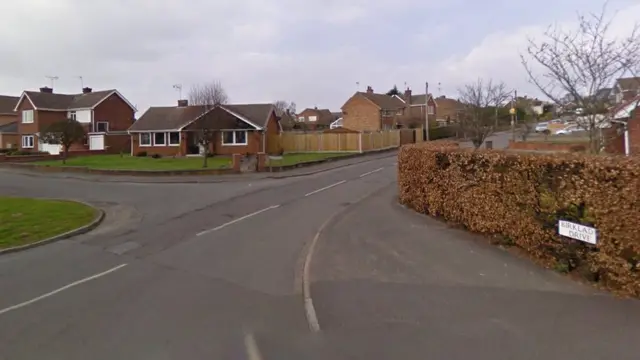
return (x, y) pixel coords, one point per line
(519, 198)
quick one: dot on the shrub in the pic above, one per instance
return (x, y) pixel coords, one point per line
(156, 156)
(141, 154)
(521, 197)
(443, 132)
(8, 151)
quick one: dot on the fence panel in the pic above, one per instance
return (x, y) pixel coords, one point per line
(332, 142)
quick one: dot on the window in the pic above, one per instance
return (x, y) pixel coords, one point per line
(174, 138)
(431, 110)
(27, 116)
(27, 142)
(313, 118)
(102, 126)
(300, 118)
(145, 139)
(399, 112)
(72, 115)
(159, 139)
(234, 138)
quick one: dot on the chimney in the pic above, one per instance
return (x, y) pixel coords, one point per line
(369, 90)
(407, 96)
(46, 89)
(183, 103)
(86, 90)
(288, 111)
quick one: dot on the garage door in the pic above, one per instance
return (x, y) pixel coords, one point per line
(96, 142)
(51, 149)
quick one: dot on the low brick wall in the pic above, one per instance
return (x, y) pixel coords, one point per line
(546, 146)
(45, 157)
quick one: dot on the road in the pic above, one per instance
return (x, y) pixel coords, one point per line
(213, 271)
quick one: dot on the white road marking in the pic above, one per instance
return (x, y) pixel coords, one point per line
(238, 219)
(325, 188)
(41, 297)
(253, 352)
(371, 172)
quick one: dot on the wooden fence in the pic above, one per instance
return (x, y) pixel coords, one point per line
(332, 142)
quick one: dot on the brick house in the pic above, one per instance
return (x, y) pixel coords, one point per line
(315, 119)
(368, 111)
(9, 137)
(626, 139)
(106, 115)
(174, 131)
(625, 89)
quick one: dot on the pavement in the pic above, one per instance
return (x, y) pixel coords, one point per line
(213, 271)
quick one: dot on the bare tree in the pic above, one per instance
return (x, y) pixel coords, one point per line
(64, 133)
(211, 94)
(208, 96)
(576, 64)
(479, 100)
(499, 95)
(282, 106)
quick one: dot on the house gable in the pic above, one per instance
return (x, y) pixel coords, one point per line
(21, 99)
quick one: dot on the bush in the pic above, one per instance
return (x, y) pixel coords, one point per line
(8, 151)
(156, 156)
(23, 152)
(443, 132)
(141, 154)
(521, 197)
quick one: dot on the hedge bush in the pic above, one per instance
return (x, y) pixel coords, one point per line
(520, 197)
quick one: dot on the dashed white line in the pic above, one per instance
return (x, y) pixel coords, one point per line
(325, 188)
(253, 352)
(76, 283)
(371, 172)
(238, 219)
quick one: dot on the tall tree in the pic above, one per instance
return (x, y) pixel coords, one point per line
(208, 95)
(282, 106)
(480, 100)
(576, 63)
(64, 133)
(393, 91)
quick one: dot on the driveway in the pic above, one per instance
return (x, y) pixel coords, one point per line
(213, 271)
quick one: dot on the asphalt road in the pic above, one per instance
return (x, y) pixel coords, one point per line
(212, 271)
(177, 271)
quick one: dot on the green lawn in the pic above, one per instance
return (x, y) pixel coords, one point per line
(298, 158)
(24, 221)
(117, 162)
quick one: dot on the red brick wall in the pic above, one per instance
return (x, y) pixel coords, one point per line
(254, 145)
(9, 139)
(180, 150)
(634, 133)
(361, 114)
(7, 119)
(115, 111)
(41, 119)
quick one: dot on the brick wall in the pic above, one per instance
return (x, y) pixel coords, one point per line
(115, 111)
(361, 114)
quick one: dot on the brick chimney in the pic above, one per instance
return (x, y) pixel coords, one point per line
(46, 89)
(183, 103)
(407, 96)
(369, 90)
(86, 90)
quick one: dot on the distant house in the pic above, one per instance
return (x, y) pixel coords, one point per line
(9, 137)
(625, 89)
(174, 130)
(105, 116)
(368, 111)
(315, 119)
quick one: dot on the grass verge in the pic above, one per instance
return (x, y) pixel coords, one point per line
(24, 221)
(117, 162)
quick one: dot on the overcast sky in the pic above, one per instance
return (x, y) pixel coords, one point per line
(309, 52)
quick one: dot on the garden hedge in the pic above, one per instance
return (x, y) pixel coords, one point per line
(519, 198)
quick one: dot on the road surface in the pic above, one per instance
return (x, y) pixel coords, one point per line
(213, 271)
